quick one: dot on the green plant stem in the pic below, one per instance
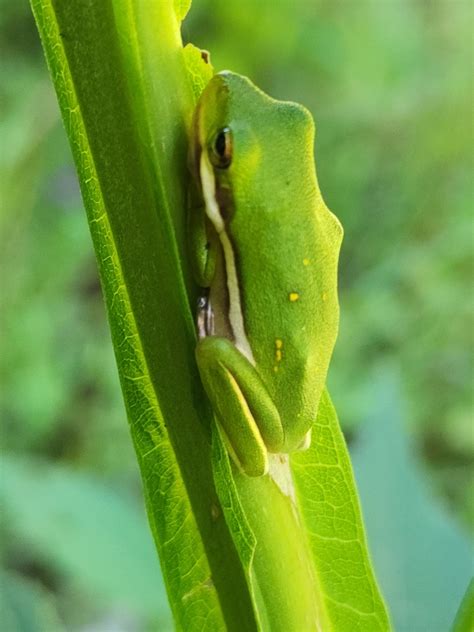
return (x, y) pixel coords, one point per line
(282, 574)
(125, 99)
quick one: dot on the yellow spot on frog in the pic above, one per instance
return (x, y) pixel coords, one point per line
(293, 296)
(306, 262)
(278, 353)
(324, 296)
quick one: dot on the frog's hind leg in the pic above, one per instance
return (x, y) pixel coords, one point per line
(247, 415)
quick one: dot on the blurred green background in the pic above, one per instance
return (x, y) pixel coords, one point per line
(390, 86)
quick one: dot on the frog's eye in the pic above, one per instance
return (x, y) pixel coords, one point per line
(221, 150)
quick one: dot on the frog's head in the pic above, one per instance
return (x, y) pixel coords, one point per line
(246, 143)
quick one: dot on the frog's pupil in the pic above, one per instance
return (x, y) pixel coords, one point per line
(221, 144)
(221, 154)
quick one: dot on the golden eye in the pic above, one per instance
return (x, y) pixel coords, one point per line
(221, 154)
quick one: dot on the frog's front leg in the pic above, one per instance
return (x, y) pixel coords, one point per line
(246, 413)
(202, 240)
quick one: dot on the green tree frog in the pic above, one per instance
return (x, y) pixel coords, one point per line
(266, 247)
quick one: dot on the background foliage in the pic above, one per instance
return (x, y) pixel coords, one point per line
(390, 86)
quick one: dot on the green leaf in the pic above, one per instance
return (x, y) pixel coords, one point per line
(126, 100)
(199, 71)
(331, 512)
(464, 621)
(307, 527)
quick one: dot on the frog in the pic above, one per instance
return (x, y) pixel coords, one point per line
(264, 249)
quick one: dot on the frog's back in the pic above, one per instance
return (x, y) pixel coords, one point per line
(289, 299)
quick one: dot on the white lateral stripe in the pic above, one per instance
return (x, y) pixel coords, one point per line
(209, 192)
(235, 309)
(212, 210)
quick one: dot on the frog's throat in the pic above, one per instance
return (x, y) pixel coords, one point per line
(213, 212)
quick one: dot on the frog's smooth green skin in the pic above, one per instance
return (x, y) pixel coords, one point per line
(266, 245)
